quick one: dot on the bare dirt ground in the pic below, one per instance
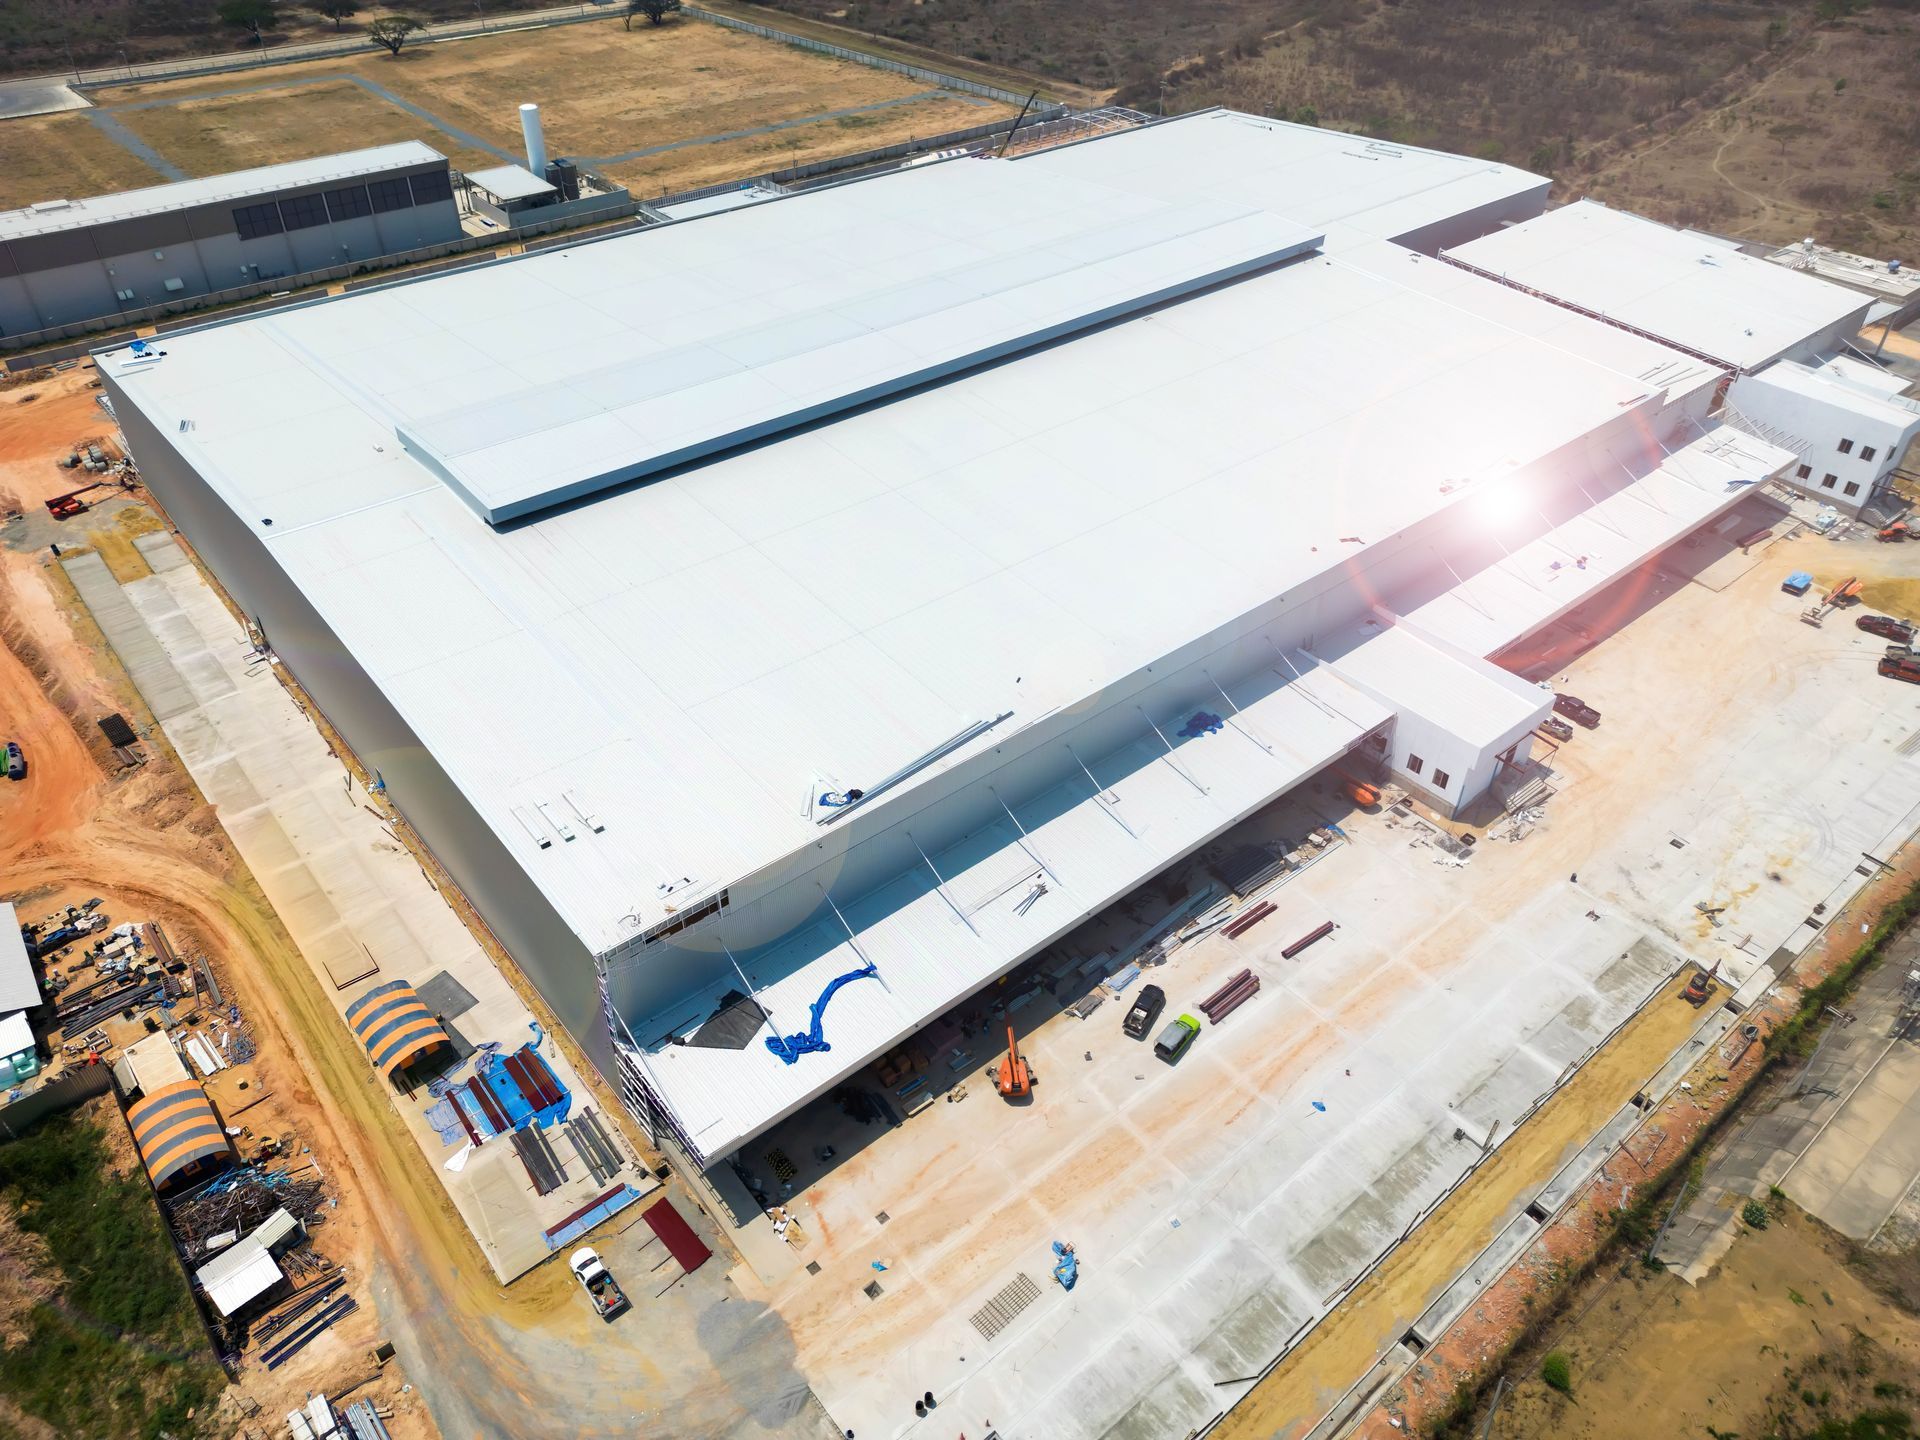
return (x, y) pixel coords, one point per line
(1786, 1335)
(145, 843)
(605, 91)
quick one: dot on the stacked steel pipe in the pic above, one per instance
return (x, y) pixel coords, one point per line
(1230, 996)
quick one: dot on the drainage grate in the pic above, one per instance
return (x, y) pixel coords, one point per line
(1001, 1311)
(873, 1290)
(1909, 745)
(813, 1267)
(883, 1217)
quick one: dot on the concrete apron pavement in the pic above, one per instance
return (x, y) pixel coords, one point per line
(1843, 1142)
(356, 903)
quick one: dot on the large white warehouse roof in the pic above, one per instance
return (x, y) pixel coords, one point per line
(687, 659)
(1692, 289)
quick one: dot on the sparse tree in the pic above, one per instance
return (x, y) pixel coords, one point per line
(253, 16)
(338, 11)
(656, 11)
(390, 32)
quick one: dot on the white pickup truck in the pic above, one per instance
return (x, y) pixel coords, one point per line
(605, 1292)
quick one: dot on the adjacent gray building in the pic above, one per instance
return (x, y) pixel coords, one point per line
(64, 262)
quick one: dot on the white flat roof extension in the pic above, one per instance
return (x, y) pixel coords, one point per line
(511, 182)
(528, 384)
(1589, 550)
(1352, 188)
(52, 215)
(1460, 693)
(1692, 289)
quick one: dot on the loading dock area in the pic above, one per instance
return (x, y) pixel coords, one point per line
(1216, 1211)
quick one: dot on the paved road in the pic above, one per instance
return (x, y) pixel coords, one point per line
(691, 1359)
(1841, 1135)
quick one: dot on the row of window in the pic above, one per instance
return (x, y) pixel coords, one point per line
(1866, 451)
(350, 202)
(1829, 480)
(1440, 777)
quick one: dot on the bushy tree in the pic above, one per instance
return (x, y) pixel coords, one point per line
(390, 32)
(337, 11)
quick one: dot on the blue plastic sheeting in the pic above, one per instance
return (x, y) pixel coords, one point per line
(1201, 722)
(792, 1047)
(1067, 1268)
(612, 1203)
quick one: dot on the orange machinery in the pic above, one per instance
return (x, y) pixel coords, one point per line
(1016, 1076)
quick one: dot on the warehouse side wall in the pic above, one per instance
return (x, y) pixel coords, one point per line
(513, 907)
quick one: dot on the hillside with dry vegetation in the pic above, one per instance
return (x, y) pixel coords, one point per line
(1761, 119)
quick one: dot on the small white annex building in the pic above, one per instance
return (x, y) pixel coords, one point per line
(870, 584)
(1788, 337)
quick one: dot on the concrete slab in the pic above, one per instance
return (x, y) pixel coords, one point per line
(20, 98)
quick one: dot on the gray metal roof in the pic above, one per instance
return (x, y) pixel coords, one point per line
(53, 215)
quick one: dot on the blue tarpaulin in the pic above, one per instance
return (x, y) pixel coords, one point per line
(790, 1048)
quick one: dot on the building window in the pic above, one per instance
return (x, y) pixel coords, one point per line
(432, 186)
(254, 221)
(1866, 452)
(390, 195)
(303, 212)
(1806, 472)
(1853, 487)
(350, 203)
(1827, 482)
(1846, 447)
(1415, 764)
(1441, 779)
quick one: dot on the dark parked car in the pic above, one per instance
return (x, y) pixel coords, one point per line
(1577, 710)
(16, 762)
(1886, 626)
(1557, 728)
(1147, 1006)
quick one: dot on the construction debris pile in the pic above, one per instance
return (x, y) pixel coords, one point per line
(239, 1200)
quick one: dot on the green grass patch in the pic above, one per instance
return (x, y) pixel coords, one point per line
(1557, 1371)
(119, 1351)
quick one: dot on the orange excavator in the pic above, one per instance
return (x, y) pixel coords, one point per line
(1015, 1081)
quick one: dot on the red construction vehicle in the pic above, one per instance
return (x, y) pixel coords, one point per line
(65, 507)
(1702, 985)
(1896, 531)
(1015, 1081)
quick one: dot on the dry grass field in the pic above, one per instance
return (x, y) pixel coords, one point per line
(64, 156)
(1759, 118)
(1827, 144)
(605, 92)
(266, 127)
